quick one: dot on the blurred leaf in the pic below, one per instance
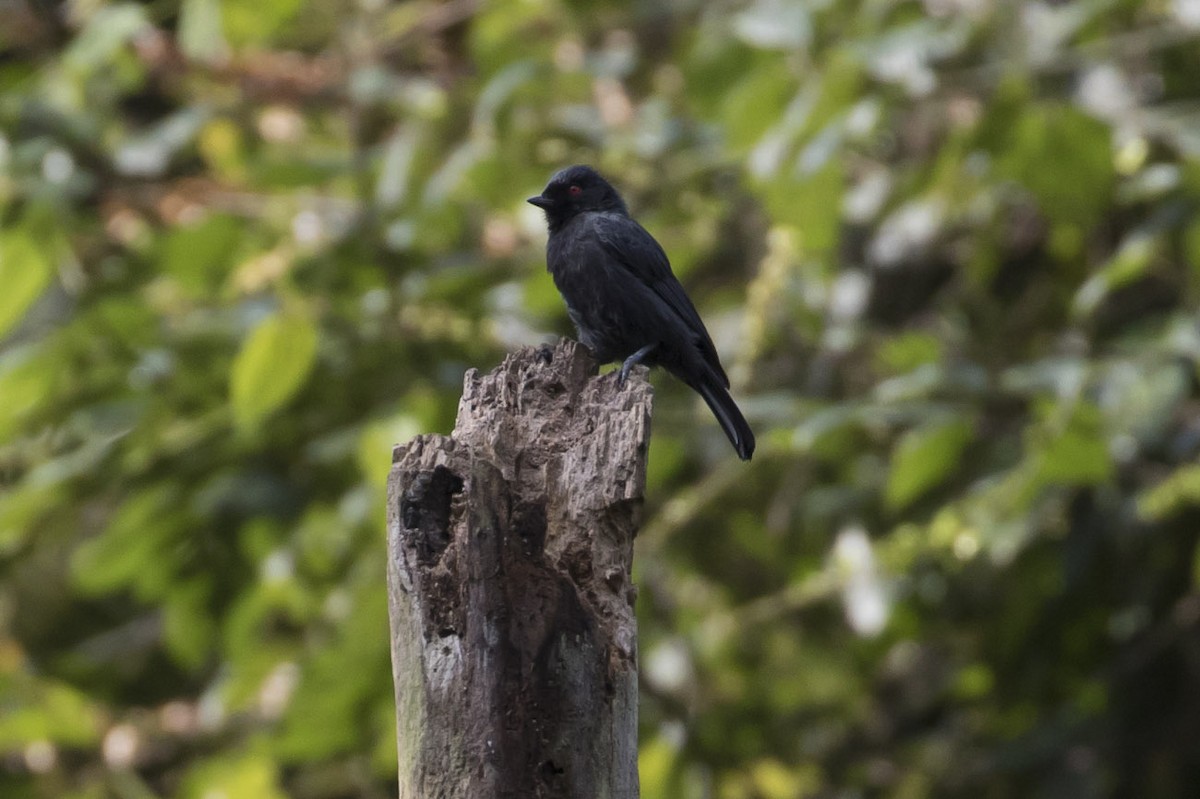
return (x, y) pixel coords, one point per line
(87, 455)
(392, 185)
(974, 681)
(840, 88)
(907, 352)
(1075, 453)
(1191, 243)
(923, 458)
(46, 711)
(498, 92)
(201, 254)
(774, 24)
(25, 272)
(1139, 400)
(199, 34)
(250, 775)
(323, 540)
(812, 203)
(1179, 491)
(108, 30)
(326, 715)
(274, 363)
(1127, 265)
(21, 509)
(830, 434)
(188, 627)
(656, 761)
(383, 754)
(498, 24)
(150, 153)
(751, 107)
(774, 780)
(376, 442)
(1064, 157)
(133, 550)
(222, 145)
(256, 22)
(26, 382)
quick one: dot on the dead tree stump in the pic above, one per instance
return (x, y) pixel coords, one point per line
(510, 542)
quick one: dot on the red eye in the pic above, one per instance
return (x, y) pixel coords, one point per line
(575, 191)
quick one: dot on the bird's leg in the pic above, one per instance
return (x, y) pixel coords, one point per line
(632, 361)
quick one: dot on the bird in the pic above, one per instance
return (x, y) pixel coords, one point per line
(624, 300)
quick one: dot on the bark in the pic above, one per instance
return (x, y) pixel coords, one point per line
(510, 543)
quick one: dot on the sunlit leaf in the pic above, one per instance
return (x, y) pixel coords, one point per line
(904, 353)
(1128, 264)
(222, 144)
(200, 35)
(256, 22)
(108, 30)
(26, 380)
(656, 759)
(22, 508)
(25, 272)
(1180, 490)
(774, 24)
(48, 711)
(252, 775)
(774, 780)
(274, 363)
(377, 440)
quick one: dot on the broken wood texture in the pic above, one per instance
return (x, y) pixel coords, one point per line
(510, 542)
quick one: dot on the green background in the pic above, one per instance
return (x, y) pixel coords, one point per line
(949, 251)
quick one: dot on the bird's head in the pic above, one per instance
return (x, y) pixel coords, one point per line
(573, 191)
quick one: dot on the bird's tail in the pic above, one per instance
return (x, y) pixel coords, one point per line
(729, 415)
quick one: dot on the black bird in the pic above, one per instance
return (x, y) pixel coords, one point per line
(622, 296)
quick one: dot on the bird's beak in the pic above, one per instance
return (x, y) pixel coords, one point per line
(540, 201)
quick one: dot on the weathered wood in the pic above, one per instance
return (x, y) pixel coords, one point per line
(510, 543)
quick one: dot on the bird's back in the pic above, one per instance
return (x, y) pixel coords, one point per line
(621, 294)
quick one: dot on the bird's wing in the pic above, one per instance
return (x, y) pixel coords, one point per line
(635, 249)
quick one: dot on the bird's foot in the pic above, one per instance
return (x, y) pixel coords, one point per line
(632, 361)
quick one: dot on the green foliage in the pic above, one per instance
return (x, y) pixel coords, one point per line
(271, 367)
(24, 272)
(949, 251)
(46, 711)
(199, 256)
(234, 774)
(1077, 145)
(923, 458)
